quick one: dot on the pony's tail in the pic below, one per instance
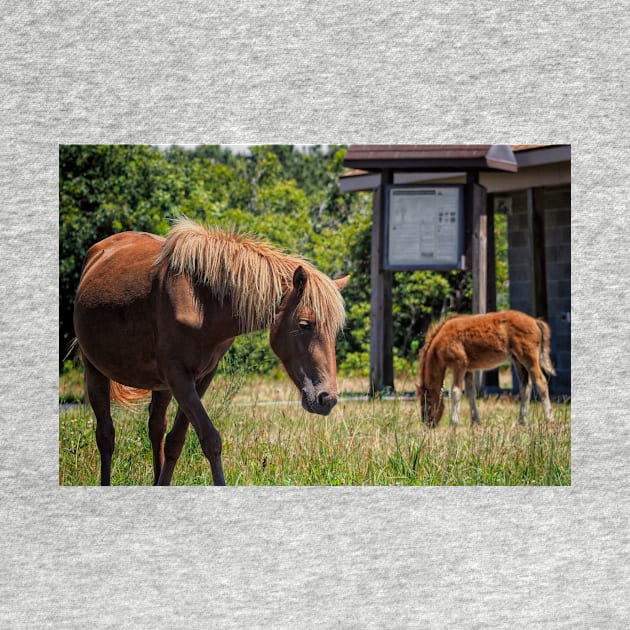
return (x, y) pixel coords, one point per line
(129, 397)
(545, 348)
(74, 347)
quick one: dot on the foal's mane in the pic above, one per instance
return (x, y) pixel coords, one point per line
(432, 331)
(253, 274)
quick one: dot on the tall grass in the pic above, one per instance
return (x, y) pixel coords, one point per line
(375, 442)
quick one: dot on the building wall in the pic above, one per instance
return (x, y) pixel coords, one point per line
(557, 215)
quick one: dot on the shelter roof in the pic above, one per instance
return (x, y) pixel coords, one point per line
(436, 157)
(506, 168)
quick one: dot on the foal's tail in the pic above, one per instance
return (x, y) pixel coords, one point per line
(545, 348)
(125, 396)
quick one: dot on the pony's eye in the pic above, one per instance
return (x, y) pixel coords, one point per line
(304, 324)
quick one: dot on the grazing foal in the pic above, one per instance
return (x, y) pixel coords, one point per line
(463, 343)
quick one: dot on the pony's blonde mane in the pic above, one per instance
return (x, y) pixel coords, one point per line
(253, 274)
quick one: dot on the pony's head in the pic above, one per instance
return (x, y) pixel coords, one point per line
(303, 336)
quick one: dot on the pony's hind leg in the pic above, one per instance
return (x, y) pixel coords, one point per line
(157, 429)
(472, 397)
(97, 385)
(524, 390)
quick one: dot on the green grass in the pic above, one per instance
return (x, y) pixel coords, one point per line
(360, 443)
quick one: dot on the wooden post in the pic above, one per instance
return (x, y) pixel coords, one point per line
(381, 328)
(476, 195)
(536, 230)
(492, 376)
(491, 297)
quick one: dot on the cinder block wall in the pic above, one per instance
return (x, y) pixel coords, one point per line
(558, 270)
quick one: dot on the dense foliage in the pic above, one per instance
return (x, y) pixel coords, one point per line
(289, 197)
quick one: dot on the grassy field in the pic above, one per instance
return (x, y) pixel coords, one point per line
(268, 441)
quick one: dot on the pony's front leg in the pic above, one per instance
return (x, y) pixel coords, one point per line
(472, 397)
(188, 395)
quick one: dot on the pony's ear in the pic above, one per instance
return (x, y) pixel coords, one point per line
(341, 282)
(299, 279)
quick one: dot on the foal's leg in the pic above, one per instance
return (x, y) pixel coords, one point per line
(543, 389)
(472, 397)
(456, 394)
(177, 436)
(157, 429)
(524, 390)
(97, 385)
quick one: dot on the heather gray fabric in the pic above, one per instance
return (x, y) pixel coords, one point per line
(300, 72)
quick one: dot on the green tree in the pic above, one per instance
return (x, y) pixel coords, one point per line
(104, 190)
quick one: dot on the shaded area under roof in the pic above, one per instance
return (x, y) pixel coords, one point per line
(438, 157)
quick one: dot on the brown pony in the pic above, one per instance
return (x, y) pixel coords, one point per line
(463, 343)
(156, 315)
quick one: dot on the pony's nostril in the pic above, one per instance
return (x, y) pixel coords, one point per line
(326, 399)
